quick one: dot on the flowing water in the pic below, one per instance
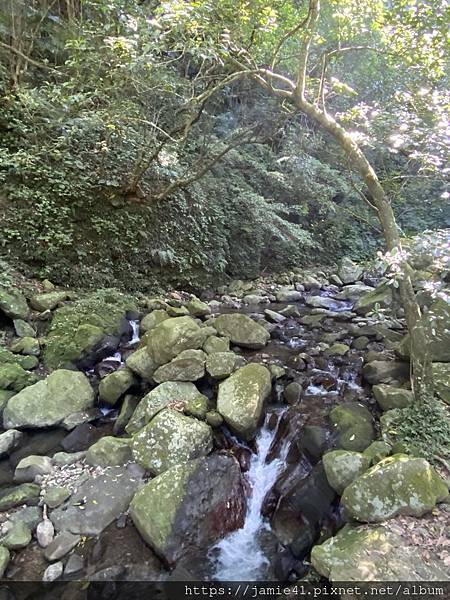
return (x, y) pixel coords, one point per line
(240, 556)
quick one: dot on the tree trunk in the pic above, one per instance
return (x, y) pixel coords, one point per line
(420, 363)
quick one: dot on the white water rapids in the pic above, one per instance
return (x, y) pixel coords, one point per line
(240, 556)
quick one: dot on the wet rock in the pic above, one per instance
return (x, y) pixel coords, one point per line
(197, 308)
(141, 363)
(13, 304)
(48, 402)
(342, 467)
(17, 537)
(114, 385)
(172, 336)
(9, 440)
(325, 302)
(354, 425)
(189, 365)
(216, 344)
(4, 560)
(63, 543)
(190, 505)
(81, 438)
(287, 295)
(313, 442)
(274, 317)
(14, 377)
(169, 393)
(41, 442)
(97, 502)
(220, 364)
(389, 396)
(241, 330)
(170, 439)
(21, 494)
(349, 272)
(290, 311)
(241, 398)
(398, 484)
(441, 379)
(31, 466)
(109, 451)
(380, 371)
(293, 393)
(197, 407)
(53, 572)
(361, 343)
(55, 496)
(304, 540)
(355, 551)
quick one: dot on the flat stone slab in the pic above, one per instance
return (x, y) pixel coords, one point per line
(97, 502)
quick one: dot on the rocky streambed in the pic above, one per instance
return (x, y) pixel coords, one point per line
(245, 435)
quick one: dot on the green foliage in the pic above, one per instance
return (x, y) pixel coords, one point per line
(430, 441)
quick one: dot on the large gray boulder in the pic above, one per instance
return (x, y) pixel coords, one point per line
(97, 502)
(349, 272)
(342, 467)
(189, 365)
(170, 438)
(389, 396)
(169, 393)
(396, 485)
(354, 426)
(190, 506)
(172, 336)
(375, 553)
(241, 330)
(241, 398)
(385, 371)
(50, 401)
(13, 303)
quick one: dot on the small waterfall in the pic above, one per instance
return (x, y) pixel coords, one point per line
(240, 556)
(135, 329)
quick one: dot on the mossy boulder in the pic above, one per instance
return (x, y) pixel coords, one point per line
(109, 451)
(114, 385)
(337, 349)
(375, 552)
(153, 319)
(354, 425)
(47, 301)
(23, 329)
(349, 271)
(216, 344)
(197, 308)
(190, 506)
(78, 328)
(389, 396)
(197, 407)
(241, 398)
(14, 377)
(26, 345)
(342, 467)
(141, 363)
(17, 537)
(441, 378)
(13, 303)
(241, 330)
(170, 439)
(382, 296)
(189, 365)
(377, 450)
(26, 362)
(171, 337)
(396, 485)
(220, 364)
(50, 401)
(18, 495)
(169, 393)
